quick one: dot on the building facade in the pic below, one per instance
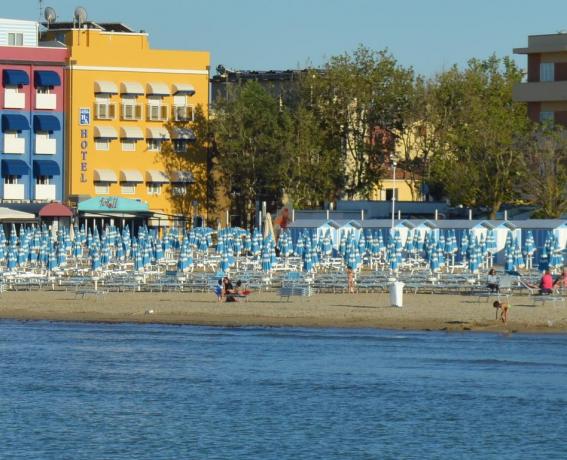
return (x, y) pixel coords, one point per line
(122, 96)
(545, 90)
(32, 102)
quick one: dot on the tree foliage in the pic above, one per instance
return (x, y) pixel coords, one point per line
(480, 143)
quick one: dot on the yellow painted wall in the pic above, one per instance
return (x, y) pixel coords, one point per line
(404, 190)
(123, 57)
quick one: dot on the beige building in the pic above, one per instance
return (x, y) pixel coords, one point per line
(545, 90)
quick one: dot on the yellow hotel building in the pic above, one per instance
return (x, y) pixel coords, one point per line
(121, 94)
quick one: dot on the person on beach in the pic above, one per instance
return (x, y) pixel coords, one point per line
(218, 291)
(503, 307)
(492, 281)
(350, 280)
(228, 289)
(546, 283)
(561, 282)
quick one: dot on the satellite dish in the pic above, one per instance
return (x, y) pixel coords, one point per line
(49, 15)
(80, 14)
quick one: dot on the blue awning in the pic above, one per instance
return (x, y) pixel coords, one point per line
(14, 123)
(46, 123)
(14, 168)
(15, 77)
(45, 78)
(46, 168)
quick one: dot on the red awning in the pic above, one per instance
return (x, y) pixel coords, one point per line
(55, 210)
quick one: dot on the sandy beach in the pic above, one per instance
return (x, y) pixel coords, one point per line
(420, 311)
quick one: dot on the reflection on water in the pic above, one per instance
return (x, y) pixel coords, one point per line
(97, 391)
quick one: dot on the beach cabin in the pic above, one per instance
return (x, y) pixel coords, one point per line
(501, 231)
(352, 227)
(331, 228)
(425, 227)
(540, 228)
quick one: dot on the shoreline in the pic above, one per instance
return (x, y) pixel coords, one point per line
(421, 312)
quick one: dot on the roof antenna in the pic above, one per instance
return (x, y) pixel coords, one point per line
(80, 16)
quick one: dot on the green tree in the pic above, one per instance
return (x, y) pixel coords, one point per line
(249, 134)
(360, 99)
(545, 179)
(190, 157)
(480, 131)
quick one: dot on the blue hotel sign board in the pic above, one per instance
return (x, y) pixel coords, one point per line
(85, 117)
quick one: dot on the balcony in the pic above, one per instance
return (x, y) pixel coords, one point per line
(183, 113)
(14, 192)
(548, 91)
(105, 111)
(45, 146)
(14, 144)
(14, 100)
(155, 112)
(131, 112)
(45, 101)
(44, 192)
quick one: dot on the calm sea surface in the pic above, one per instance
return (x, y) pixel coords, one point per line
(97, 391)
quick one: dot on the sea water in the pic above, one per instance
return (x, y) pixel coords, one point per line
(100, 391)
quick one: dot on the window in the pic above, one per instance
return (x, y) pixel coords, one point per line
(156, 110)
(547, 71)
(43, 180)
(130, 110)
(9, 90)
(128, 145)
(154, 145)
(15, 39)
(179, 145)
(154, 188)
(104, 110)
(102, 143)
(128, 188)
(546, 117)
(389, 192)
(183, 113)
(178, 189)
(43, 89)
(102, 188)
(11, 180)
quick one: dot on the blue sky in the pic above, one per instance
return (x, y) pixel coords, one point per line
(429, 35)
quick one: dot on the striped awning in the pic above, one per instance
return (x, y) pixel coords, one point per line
(107, 132)
(158, 177)
(130, 175)
(131, 87)
(183, 88)
(131, 132)
(104, 175)
(158, 89)
(157, 133)
(106, 87)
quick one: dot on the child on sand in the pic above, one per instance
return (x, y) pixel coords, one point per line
(218, 291)
(503, 307)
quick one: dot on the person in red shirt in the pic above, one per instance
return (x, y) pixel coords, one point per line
(546, 283)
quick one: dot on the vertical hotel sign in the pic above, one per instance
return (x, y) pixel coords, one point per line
(84, 122)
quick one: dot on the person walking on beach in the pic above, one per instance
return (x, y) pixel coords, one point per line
(350, 280)
(503, 307)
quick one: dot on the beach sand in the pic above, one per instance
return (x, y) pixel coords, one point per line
(420, 311)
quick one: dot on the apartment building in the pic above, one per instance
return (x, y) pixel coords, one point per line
(545, 90)
(32, 112)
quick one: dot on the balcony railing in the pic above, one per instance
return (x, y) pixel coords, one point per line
(14, 144)
(105, 111)
(183, 113)
(14, 100)
(14, 192)
(45, 192)
(131, 112)
(45, 101)
(45, 146)
(155, 112)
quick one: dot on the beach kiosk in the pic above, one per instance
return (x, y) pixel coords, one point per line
(56, 215)
(114, 210)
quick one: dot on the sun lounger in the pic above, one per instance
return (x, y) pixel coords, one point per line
(289, 291)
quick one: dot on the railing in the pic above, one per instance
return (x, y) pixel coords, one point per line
(155, 112)
(131, 112)
(14, 100)
(45, 146)
(14, 191)
(105, 111)
(45, 192)
(45, 101)
(14, 144)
